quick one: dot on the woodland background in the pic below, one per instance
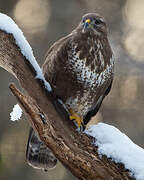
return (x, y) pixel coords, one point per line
(45, 21)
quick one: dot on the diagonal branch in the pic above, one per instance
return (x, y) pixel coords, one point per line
(73, 149)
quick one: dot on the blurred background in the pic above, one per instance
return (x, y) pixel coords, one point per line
(45, 21)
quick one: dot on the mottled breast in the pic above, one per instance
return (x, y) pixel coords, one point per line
(92, 63)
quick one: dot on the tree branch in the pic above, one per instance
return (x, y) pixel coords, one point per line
(50, 120)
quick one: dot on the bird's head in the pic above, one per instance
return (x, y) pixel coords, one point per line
(94, 23)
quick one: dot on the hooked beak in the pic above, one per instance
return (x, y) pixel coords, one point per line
(87, 23)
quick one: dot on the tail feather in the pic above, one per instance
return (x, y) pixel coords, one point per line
(38, 154)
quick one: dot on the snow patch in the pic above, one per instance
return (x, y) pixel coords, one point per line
(16, 113)
(9, 26)
(116, 145)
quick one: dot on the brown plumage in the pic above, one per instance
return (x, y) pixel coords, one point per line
(38, 154)
(79, 67)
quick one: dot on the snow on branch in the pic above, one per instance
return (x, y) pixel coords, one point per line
(116, 145)
(9, 26)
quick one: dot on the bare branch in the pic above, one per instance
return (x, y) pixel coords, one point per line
(73, 149)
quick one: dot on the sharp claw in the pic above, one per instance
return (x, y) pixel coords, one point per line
(80, 127)
(77, 120)
(83, 126)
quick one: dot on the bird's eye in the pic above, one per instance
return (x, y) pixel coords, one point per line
(98, 21)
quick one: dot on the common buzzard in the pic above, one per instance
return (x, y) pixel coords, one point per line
(80, 70)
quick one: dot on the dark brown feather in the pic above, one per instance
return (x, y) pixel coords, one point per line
(38, 154)
(75, 67)
(79, 68)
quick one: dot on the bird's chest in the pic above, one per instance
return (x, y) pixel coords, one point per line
(90, 74)
(84, 76)
(85, 63)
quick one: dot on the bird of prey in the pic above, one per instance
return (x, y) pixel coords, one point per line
(80, 69)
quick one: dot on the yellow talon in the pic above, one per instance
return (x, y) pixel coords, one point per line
(76, 117)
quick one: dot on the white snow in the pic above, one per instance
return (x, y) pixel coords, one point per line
(116, 145)
(16, 113)
(8, 25)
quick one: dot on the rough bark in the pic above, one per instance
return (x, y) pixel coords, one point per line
(50, 120)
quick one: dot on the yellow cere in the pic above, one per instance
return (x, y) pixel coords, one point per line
(88, 21)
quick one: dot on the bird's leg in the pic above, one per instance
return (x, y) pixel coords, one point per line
(77, 119)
